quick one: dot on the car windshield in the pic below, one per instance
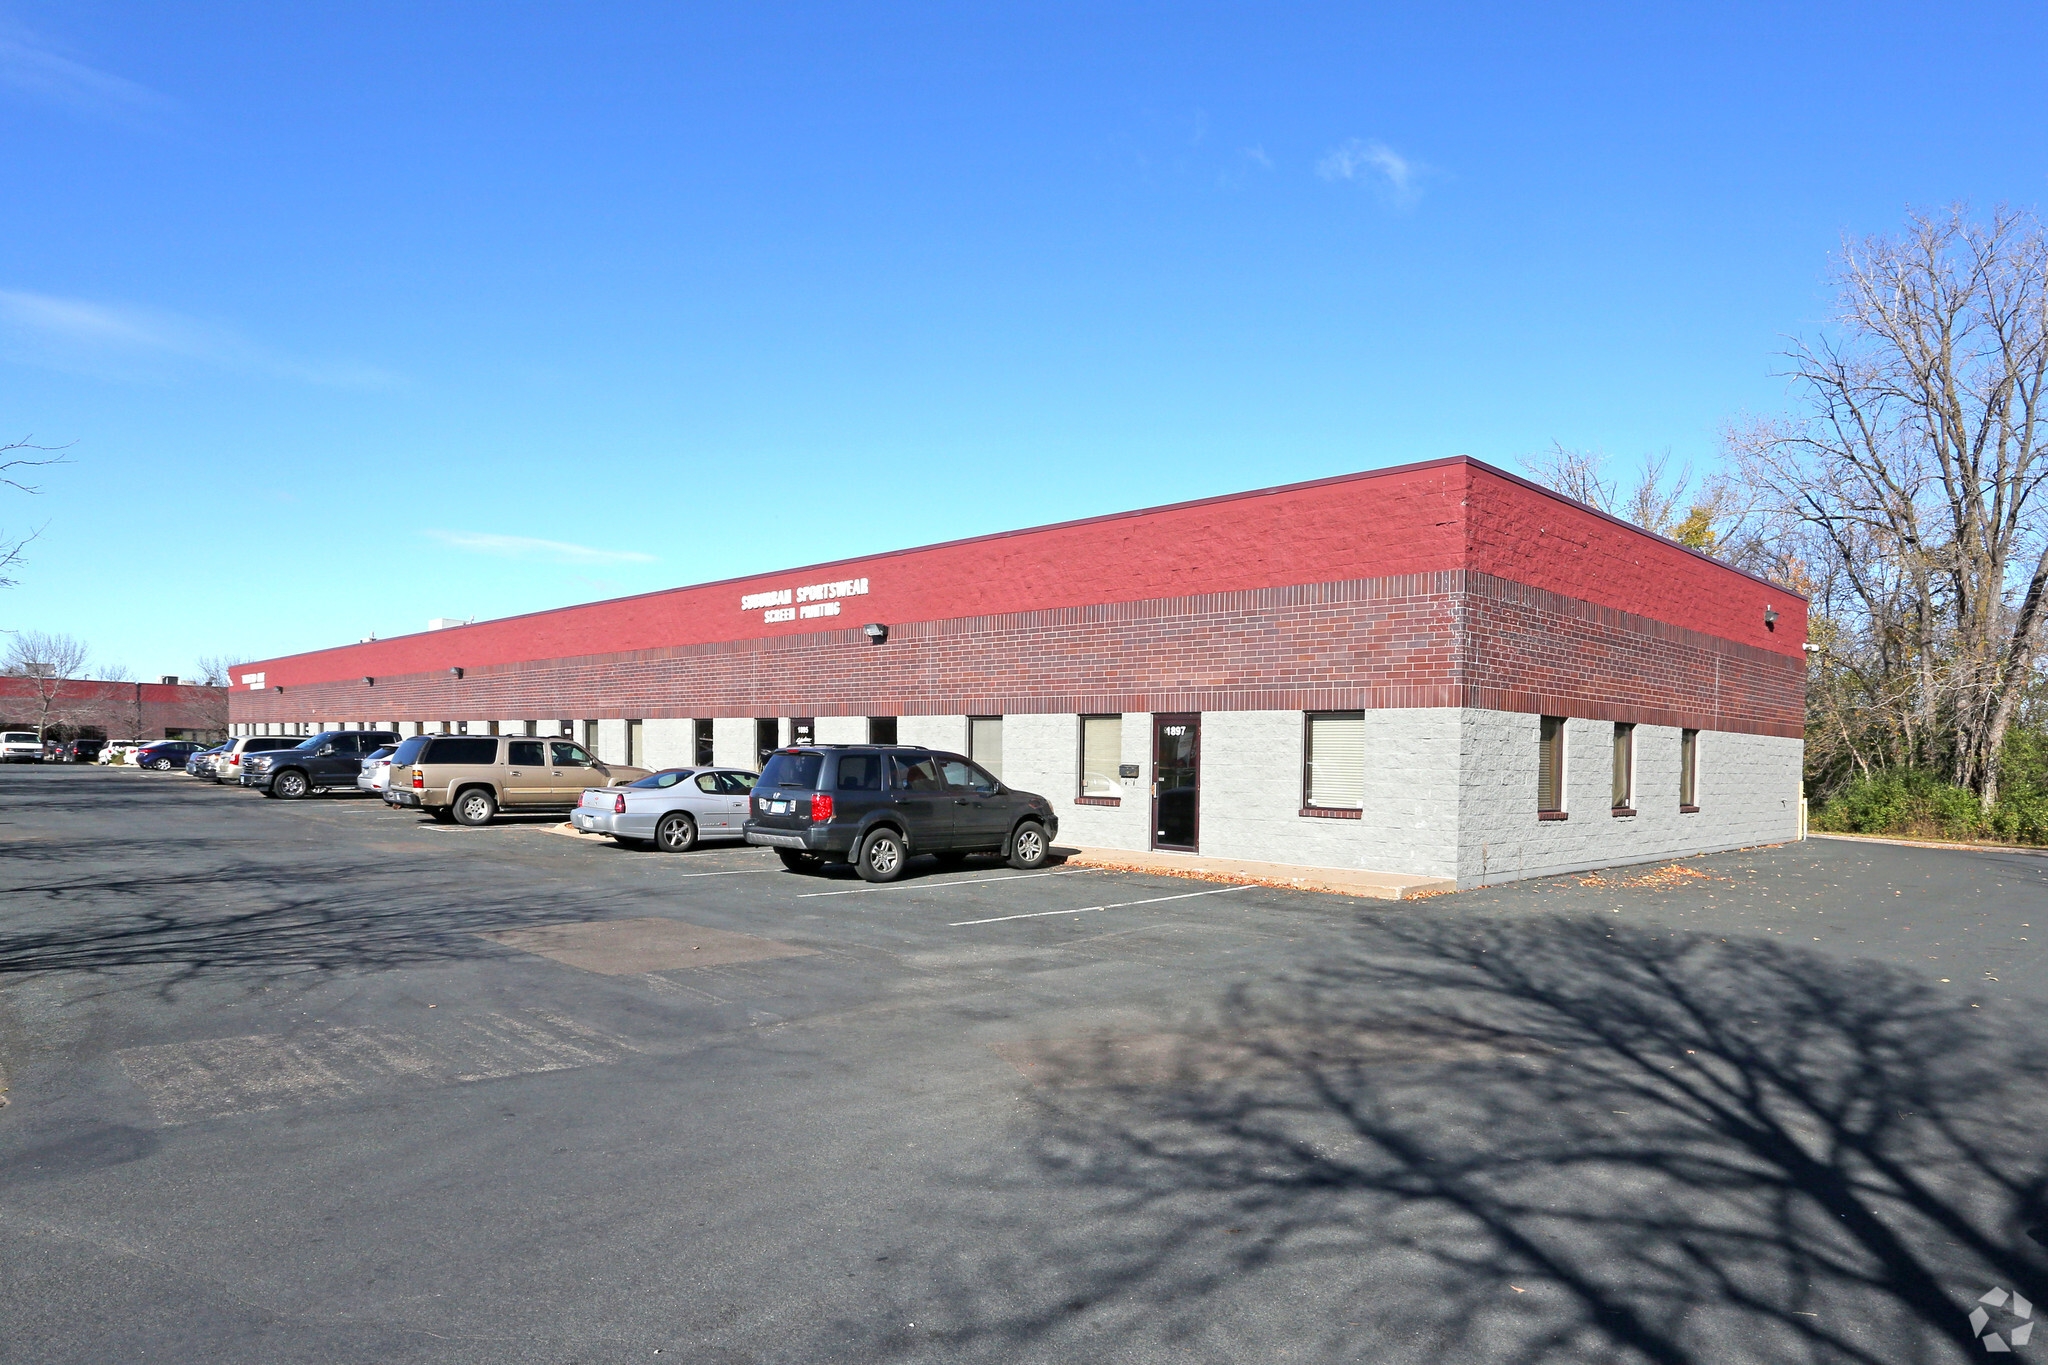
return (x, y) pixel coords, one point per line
(794, 768)
(662, 779)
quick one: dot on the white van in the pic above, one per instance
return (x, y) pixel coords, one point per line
(20, 746)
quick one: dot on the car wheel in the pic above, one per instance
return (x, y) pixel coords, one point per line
(797, 861)
(475, 807)
(162, 765)
(1028, 846)
(290, 784)
(882, 857)
(677, 833)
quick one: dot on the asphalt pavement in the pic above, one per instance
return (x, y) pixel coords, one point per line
(322, 1081)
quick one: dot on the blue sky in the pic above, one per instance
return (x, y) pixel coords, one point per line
(353, 316)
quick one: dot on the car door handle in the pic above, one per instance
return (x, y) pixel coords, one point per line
(513, 772)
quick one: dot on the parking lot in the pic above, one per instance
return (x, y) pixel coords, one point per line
(326, 1081)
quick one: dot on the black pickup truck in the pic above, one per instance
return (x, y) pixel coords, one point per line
(330, 759)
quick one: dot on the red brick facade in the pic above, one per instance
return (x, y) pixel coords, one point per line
(1442, 584)
(1455, 638)
(119, 710)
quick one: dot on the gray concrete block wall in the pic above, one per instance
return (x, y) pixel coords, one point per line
(670, 743)
(611, 741)
(1042, 753)
(842, 730)
(1252, 793)
(933, 732)
(732, 742)
(1749, 789)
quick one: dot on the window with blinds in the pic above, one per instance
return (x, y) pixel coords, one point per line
(1333, 761)
(1102, 749)
(1550, 764)
(1688, 770)
(1624, 767)
(985, 742)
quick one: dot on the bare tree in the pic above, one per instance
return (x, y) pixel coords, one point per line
(52, 663)
(1917, 463)
(16, 459)
(1712, 514)
(217, 670)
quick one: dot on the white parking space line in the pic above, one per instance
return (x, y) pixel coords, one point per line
(1040, 914)
(913, 886)
(736, 872)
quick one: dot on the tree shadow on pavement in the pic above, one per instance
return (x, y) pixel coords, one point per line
(1513, 1141)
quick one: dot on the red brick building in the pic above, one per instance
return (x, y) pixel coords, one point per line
(1351, 672)
(73, 707)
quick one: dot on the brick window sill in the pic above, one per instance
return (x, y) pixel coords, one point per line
(1553, 815)
(1098, 800)
(1331, 813)
(1688, 810)
(1623, 812)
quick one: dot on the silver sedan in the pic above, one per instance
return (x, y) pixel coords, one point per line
(671, 809)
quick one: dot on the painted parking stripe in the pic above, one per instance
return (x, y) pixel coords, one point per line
(1040, 914)
(912, 886)
(736, 872)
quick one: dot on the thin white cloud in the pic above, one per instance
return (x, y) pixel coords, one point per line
(1376, 164)
(34, 70)
(125, 342)
(527, 547)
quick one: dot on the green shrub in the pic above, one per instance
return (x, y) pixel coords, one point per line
(1919, 804)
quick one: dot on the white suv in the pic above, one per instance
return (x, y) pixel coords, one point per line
(20, 746)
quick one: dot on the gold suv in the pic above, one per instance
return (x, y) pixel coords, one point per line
(470, 778)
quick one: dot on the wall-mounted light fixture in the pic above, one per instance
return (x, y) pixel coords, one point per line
(369, 682)
(454, 672)
(1770, 618)
(876, 632)
(278, 688)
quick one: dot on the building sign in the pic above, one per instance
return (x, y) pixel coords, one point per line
(808, 602)
(254, 681)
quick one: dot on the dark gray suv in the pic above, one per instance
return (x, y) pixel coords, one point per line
(877, 806)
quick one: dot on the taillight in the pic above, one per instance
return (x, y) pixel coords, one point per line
(619, 804)
(419, 780)
(821, 807)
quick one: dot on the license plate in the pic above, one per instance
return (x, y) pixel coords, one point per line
(777, 807)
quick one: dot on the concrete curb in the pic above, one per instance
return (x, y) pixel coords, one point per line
(1931, 843)
(1385, 886)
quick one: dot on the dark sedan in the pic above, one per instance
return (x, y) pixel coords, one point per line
(166, 754)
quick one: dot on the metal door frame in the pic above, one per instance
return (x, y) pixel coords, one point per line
(1159, 720)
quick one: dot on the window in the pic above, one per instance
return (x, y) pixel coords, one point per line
(478, 750)
(765, 740)
(494, 727)
(636, 746)
(1102, 750)
(803, 730)
(881, 729)
(529, 728)
(706, 782)
(527, 753)
(962, 776)
(985, 742)
(735, 784)
(1550, 767)
(915, 774)
(1333, 761)
(566, 729)
(1624, 769)
(461, 727)
(568, 755)
(701, 737)
(1688, 771)
(798, 771)
(589, 735)
(860, 773)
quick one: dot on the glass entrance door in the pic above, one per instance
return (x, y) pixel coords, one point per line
(1176, 782)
